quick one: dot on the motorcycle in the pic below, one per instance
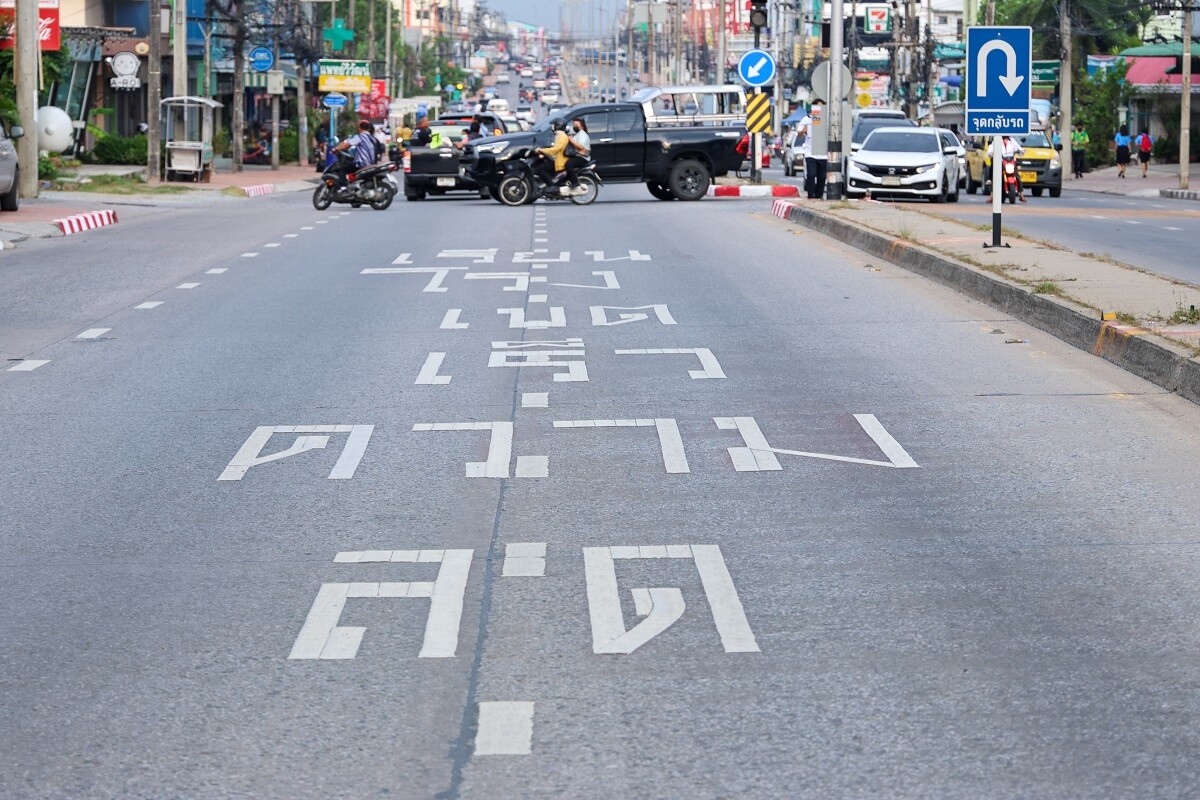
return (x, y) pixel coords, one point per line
(373, 184)
(260, 155)
(1008, 177)
(524, 183)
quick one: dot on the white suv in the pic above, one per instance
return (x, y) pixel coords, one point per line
(906, 161)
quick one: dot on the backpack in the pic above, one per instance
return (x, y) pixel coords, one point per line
(1145, 143)
(379, 150)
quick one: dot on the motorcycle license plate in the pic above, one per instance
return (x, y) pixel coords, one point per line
(891, 181)
(445, 182)
(1028, 177)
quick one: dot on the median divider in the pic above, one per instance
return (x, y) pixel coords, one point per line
(755, 191)
(1134, 319)
(89, 220)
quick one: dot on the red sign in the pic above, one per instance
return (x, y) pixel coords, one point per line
(375, 105)
(49, 34)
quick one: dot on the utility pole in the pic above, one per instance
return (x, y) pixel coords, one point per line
(1185, 105)
(930, 73)
(153, 94)
(27, 67)
(1064, 83)
(722, 42)
(679, 42)
(179, 63)
(989, 13)
(833, 184)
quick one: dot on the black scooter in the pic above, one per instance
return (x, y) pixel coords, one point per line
(524, 183)
(342, 183)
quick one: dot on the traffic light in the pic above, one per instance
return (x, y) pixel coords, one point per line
(758, 14)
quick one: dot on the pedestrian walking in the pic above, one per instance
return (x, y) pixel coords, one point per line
(1123, 140)
(1079, 143)
(816, 166)
(1145, 146)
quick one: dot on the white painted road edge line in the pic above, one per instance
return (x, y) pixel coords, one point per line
(505, 728)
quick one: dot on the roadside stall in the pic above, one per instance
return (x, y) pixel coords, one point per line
(188, 135)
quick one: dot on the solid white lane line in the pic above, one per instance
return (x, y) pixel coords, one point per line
(1130, 222)
(1169, 228)
(187, 286)
(149, 304)
(216, 271)
(92, 333)
(505, 729)
(28, 365)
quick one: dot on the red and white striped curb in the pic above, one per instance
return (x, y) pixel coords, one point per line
(261, 189)
(781, 208)
(753, 191)
(78, 223)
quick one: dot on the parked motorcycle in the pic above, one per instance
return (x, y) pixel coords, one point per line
(342, 183)
(525, 184)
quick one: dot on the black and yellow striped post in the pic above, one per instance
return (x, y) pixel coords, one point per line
(758, 122)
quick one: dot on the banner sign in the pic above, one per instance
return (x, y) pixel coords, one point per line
(343, 76)
(49, 33)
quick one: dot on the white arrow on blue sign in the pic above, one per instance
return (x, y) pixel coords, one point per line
(999, 65)
(262, 58)
(756, 68)
(334, 100)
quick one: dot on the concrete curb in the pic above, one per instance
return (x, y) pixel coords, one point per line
(1180, 194)
(1128, 348)
(753, 191)
(89, 220)
(259, 190)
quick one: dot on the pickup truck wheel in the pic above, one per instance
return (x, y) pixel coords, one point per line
(1056, 191)
(688, 180)
(413, 194)
(11, 199)
(660, 191)
(1037, 191)
(515, 191)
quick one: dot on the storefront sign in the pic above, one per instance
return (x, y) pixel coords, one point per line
(49, 34)
(337, 75)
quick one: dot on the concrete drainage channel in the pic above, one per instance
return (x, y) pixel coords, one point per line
(1158, 362)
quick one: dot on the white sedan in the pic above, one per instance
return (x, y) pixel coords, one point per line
(527, 73)
(906, 161)
(503, 78)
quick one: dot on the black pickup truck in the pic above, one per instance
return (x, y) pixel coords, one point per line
(434, 170)
(677, 156)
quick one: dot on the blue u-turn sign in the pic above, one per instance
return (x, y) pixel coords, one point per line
(999, 65)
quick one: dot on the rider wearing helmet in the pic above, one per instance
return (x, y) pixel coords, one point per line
(557, 151)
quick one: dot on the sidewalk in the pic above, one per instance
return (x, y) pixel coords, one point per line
(1106, 181)
(1145, 323)
(288, 178)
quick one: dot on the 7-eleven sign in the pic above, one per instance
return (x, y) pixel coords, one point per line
(878, 19)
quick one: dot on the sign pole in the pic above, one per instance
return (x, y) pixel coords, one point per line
(997, 189)
(756, 138)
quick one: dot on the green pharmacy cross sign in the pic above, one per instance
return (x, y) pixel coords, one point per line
(339, 35)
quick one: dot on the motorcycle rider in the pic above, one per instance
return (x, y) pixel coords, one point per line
(579, 152)
(1009, 148)
(547, 169)
(363, 144)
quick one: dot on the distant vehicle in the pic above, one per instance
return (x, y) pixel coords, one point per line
(554, 108)
(865, 124)
(526, 113)
(498, 104)
(526, 72)
(9, 169)
(549, 97)
(1040, 166)
(539, 83)
(503, 77)
(906, 161)
(793, 157)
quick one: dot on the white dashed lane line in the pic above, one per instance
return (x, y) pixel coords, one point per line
(149, 304)
(216, 271)
(92, 333)
(28, 366)
(187, 286)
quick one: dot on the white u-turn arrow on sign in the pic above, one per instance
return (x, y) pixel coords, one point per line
(1012, 81)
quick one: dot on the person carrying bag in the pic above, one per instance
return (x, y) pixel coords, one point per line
(579, 150)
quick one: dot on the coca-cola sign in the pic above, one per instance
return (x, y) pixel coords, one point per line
(49, 35)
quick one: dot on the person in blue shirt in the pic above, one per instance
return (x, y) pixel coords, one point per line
(1123, 140)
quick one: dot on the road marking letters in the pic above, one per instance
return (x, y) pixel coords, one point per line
(576, 369)
(322, 638)
(429, 371)
(669, 440)
(249, 454)
(600, 317)
(708, 362)
(505, 729)
(758, 456)
(524, 560)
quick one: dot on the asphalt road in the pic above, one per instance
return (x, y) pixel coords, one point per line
(889, 542)
(1152, 233)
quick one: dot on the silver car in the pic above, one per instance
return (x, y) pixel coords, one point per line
(9, 169)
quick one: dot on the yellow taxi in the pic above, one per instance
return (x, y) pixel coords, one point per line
(1039, 167)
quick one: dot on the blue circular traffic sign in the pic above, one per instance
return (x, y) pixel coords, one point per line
(334, 100)
(262, 58)
(756, 68)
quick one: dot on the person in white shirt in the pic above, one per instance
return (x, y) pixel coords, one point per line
(1010, 148)
(582, 143)
(816, 166)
